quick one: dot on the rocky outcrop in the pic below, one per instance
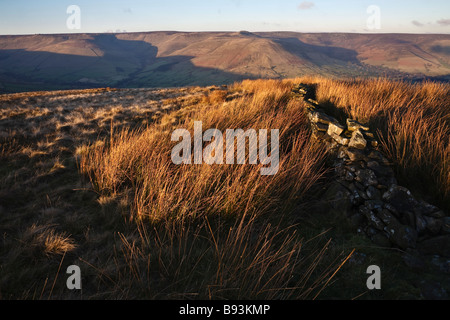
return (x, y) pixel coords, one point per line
(366, 190)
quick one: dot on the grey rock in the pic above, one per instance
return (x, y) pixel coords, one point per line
(401, 198)
(373, 193)
(437, 214)
(336, 129)
(357, 141)
(338, 198)
(433, 225)
(354, 125)
(339, 139)
(321, 127)
(320, 117)
(409, 218)
(378, 156)
(355, 154)
(374, 205)
(366, 177)
(387, 217)
(402, 236)
(421, 224)
(372, 218)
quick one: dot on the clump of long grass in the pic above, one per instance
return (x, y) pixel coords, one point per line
(141, 160)
(187, 237)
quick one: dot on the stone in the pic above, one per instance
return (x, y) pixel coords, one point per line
(387, 217)
(320, 127)
(355, 154)
(320, 117)
(354, 125)
(435, 246)
(433, 225)
(373, 193)
(349, 176)
(437, 214)
(400, 197)
(378, 156)
(366, 177)
(402, 236)
(372, 218)
(374, 143)
(431, 210)
(379, 169)
(421, 223)
(342, 153)
(338, 198)
(387, 180)
(372, 164)
(335, 128)
(374, 205)
(369, 135)
(357, 141)
(392, 209)
(339, 139)
(409, 218)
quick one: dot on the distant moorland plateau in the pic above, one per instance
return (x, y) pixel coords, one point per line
(174, 59)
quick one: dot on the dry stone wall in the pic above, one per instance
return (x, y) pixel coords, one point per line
(366, 190)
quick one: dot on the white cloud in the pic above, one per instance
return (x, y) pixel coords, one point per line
(444, 22)
(417, 23)
(306, 5)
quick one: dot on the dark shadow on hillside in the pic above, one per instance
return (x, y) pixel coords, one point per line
(113, 63)
(319, 55)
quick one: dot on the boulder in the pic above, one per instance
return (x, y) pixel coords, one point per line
(320, 117)
(366, 177)
(335, 128)
(357, 141)
(373, 220)
(433, 225)
(339, 139)
(355, 154)
(402, 236)
(373, 193)
(354, 125)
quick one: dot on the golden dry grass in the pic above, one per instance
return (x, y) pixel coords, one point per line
(141, 160)
(194, 241)
(142, 227)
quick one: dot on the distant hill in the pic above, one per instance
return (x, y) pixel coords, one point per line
(170, 59)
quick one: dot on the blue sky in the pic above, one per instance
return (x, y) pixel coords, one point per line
(46, 16)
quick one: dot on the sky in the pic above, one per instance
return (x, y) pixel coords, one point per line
(90, 16)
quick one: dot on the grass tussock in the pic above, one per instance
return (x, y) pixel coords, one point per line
(140, 161)
(211, 235)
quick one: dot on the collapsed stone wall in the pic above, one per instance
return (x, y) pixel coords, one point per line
(366, 190)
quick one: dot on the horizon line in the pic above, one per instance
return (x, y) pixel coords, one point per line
(274, 31)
